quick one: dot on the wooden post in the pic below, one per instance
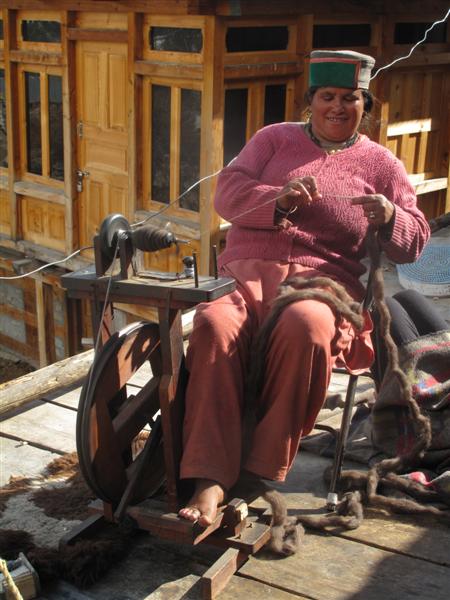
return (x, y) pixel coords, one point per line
(135, 167)
(172, 348)
(303, 48)
(211, 135)
(69, 134)
(9, 28)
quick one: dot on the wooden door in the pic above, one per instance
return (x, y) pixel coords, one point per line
(102, 134)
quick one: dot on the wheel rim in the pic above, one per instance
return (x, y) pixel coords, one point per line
(112, 422)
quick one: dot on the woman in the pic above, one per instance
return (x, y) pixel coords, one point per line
(300, 198)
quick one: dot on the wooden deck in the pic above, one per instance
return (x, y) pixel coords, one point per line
(386, 558)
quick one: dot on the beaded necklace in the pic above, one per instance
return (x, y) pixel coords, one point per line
(330, 148)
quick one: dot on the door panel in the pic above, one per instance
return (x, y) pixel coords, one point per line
(103, 133)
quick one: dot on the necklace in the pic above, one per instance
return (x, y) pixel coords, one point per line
(330, 148)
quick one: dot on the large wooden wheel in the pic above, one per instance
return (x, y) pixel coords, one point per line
(119, 435)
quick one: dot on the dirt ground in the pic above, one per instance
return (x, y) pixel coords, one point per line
(11, 369)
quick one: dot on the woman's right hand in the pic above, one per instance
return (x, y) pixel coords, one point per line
(298, 191)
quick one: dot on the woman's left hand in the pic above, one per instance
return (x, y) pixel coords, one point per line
(378, 210)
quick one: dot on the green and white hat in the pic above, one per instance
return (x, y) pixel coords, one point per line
(340, 68)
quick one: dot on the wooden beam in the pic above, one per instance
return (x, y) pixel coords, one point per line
(97, 35)
(158, 7)
(248, 71)
(414, 126)
(431, 185)
(169, 70)
(35, 385)
(36, 58)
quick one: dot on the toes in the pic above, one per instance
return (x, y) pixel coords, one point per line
(190, 513)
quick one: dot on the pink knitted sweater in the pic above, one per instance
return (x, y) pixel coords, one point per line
(327, 235)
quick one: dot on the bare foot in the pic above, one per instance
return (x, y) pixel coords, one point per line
(203, 505)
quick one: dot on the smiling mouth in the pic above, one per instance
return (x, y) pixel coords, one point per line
(336, 119)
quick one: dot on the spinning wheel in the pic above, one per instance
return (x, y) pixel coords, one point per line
(113, 423)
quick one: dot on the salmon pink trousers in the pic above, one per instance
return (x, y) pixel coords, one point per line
(306, 343)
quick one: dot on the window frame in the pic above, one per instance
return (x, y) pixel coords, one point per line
(289, 54)
(165, 56)
(176, 87)
(47, 47)
(44, 71)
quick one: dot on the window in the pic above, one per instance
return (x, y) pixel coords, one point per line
(3, 136)
(41, 31)
(176, 39)
(161, 143)
(174, 123)
(241, 106)
(234, 123)
(190, 147)
(33, 126)
(410, 33)
(43, 115)
(340, 35)
(274, 104)
(257, 39)
(55, 127)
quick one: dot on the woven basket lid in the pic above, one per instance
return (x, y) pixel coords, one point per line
(430, 274)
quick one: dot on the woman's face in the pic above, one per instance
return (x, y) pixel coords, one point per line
(336, 113)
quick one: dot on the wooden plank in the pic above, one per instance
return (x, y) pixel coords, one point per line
(418, 537)
(40, 191)
(45, 425)
(22, 460)
(218, 575)
(338, 569)
(69, 397)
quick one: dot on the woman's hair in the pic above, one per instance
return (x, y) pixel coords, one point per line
(368, 98)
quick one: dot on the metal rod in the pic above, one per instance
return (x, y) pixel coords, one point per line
(216, 273)
(341, 441)
(194, 256)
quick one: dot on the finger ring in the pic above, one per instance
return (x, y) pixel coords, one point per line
(371, 215)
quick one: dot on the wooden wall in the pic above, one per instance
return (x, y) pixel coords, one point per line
(135, 123)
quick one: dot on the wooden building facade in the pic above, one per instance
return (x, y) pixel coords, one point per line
(110, 106)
